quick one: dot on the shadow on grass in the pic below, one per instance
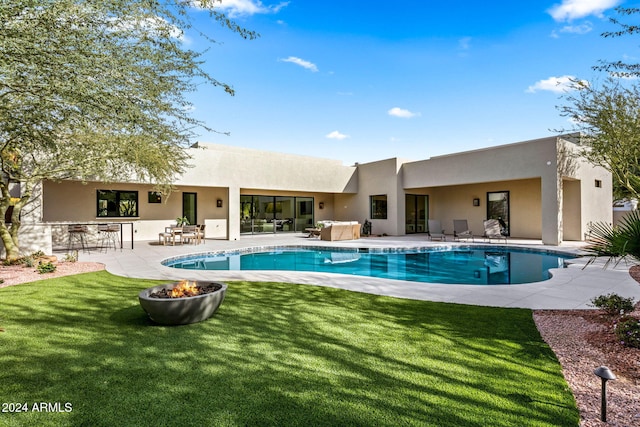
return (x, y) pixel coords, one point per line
(274, 354)
(131, 316)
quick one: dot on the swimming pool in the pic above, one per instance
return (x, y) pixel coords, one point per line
(474, 265)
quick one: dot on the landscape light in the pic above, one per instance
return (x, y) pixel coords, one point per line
(605, 374)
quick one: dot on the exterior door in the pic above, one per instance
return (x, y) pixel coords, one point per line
(416, 213)
(498, 208)
(275, 214)
(304, 213)
(190, 207)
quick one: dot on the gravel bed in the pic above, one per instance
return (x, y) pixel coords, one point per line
(582, 341)
(16, 274)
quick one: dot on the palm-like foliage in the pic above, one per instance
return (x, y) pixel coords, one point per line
(616, 242)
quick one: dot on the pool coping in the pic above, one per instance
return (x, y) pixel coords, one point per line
(168, 262)
(569, 288)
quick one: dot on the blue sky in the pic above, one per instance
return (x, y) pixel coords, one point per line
(365, 81)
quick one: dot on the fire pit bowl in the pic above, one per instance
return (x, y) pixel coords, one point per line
(197, 305)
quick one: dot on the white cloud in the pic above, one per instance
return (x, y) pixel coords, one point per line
(235, 8)
(336, 135)
(464, 43)
(575, 9)
(583, 28)
(552, 84)
(402, 113)
(577, 29)
(301, 62)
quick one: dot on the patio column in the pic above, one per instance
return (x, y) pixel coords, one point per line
(551, 208)
(233, 213)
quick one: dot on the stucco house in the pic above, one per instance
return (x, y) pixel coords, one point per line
(539, 188)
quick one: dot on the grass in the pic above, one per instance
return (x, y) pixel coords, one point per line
(273, 354)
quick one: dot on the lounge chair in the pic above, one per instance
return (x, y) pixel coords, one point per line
(435, 230)
(493, 230)
(461, 230)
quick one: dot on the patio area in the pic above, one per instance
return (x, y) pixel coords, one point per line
(569, 288)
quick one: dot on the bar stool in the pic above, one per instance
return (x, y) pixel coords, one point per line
(77, 233)
(109, 236)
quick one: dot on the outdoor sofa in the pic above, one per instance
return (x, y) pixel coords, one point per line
(340, 230)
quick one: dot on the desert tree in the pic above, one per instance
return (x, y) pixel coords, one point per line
(607, 116)
(621, 68)
(96, 90)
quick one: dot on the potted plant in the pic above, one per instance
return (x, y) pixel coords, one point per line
(182, 221)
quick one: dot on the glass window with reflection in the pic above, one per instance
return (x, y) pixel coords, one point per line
(114, 203)
(378, 206)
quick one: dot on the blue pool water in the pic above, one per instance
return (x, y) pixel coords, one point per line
(472, 265)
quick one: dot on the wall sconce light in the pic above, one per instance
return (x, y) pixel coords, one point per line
(219, 203)
(476, 202)
(321, 205)
(605, 374)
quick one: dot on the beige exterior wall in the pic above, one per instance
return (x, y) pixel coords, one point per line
(223, 166)
(553, 195)
(216, 172)
(456, 202)
(549, 160)
(619, 216)
(374, 179)
(73, 201)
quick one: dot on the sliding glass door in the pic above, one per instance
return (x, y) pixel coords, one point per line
(416, 213)
(275, 214)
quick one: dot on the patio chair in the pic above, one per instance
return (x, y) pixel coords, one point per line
(109, 236)
(493, 230)
(461, 230)
(77, 233)
(164, 236)
(170, 234)
(435, 230)
(200, 233)
(190, 234)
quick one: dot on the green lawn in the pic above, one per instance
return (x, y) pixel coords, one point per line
(273, 354)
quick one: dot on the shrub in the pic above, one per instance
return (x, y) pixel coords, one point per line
(16, 261)
(28, 261)
(37, 254)
(71, 257)
(628, 331)
(613, 304)
(46, 267)
(616, 242)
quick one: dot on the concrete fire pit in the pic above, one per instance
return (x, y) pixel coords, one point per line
(184, 309)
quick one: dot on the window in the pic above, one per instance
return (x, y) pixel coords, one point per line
(378, 207)
(598, 183)
(155, 197)
(114, 203)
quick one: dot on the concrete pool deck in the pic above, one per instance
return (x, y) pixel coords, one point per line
(570, 288)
